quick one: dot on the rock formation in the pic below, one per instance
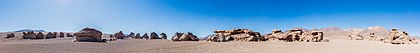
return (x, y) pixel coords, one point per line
(244, 35)
(138, 36)
(145, 36)
(56, 34)
(184, 37)
(355, 37)
(69, 35)
(399, 37)
(11, 35)
(40, 35)
(50, 35)
(275, 36)
(119, 35)
(29, 35)
(88, 35)
(294, 35)
(153, 35)
(131, 35)
(61, 34)
(163, 36)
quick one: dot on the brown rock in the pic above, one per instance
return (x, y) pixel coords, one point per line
(40, 36)
(69, 35)
(61, 34)
(186, 37)
(10, 35)
(50, 35)
(119, 35)
(138, 36)
(145, 36)
(153, 35)
(244, 35)
(88, 35)
(163, 36)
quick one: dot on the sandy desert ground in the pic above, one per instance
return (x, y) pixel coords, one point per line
(65, 45)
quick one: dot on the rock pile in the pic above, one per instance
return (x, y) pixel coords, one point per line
(400, 37)
(244, 35)
(69, 35)
(355, 37)
(61, 34)
(295, 35)
(119, 35)
(29, 35)
(145, 36)
(10, 35)
(163, 36)
(153, 35)
(138, 36)
(88, 35)
(50, 35)
(184, 37)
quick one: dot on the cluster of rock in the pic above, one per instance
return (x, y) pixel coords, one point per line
(243, 35)
(400, 37)
(89, 35)
(10, 35)
(295, 35)
(394, 37)
(184, 37)
(40, 35)
(246, 35)
(153, 35)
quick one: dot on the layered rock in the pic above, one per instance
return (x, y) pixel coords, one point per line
(295, 35)
(163, 36)
(88, 35)
(119, 35)
(244, 35)
(184, 37)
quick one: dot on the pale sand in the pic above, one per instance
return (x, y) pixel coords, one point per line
(65, 45)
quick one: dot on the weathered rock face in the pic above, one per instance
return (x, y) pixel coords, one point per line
(61, 35)
(69, 35)
(10, 35)
(355, 37)
(88, 35)
(400, 37)
(29, 35)
(184, 37)
(295, 35)
(244, 35)
(163, 36)
(145, 36)
(40, 35)
(119, 35)
(138, 36)
(50, 35)
(153, 35)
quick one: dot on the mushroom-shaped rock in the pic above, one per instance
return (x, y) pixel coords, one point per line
(88, 35)
(163, 36)
(153, 35)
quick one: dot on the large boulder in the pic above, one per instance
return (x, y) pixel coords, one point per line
(88, 35)
(153, 35)
(138, 36)
(40, 35)
(131, 35)
(145, 36)
(61, 34)
(50, 35)
(243, 35)
(69, 35)
(119, 35)
(185, 37)
(163, 36)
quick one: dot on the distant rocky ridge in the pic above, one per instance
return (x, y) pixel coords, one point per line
(29, 30)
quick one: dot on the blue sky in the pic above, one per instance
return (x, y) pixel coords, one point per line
(204, 16)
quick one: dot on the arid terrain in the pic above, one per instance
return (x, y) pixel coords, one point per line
(65, 45)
